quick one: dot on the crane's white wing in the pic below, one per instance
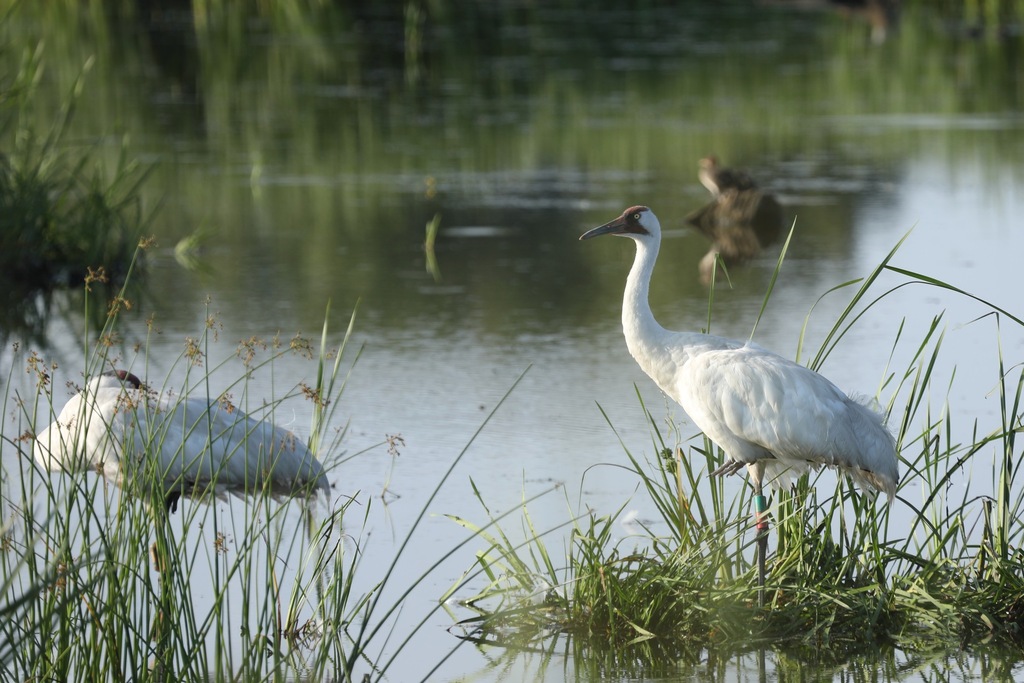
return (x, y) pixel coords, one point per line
(201, 444)
(757, 405)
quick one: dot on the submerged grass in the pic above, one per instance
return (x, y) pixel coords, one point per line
(844, 579)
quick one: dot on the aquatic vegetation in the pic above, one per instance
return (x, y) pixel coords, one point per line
(61, 213)
(68, 213)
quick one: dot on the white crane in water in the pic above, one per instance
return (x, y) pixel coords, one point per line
(766, 412)
(189, 446)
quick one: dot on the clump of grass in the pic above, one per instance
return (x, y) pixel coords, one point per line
(57, 218)
(64, 216)
(843, 581)
(61, 213)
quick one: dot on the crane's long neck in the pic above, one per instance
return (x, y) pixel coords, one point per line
(644, 336)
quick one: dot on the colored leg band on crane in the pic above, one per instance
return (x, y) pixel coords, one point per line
(761, 512)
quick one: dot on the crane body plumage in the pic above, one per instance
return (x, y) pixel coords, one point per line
(189, 446)
(764, 411)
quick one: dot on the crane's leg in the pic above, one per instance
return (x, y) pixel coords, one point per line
(161, 630)
(761, 524)
(171, 502)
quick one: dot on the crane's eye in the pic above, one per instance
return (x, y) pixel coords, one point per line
(636, 216)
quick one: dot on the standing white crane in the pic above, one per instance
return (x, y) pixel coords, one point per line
(190, 447)
(766, 412)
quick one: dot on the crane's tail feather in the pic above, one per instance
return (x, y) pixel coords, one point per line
(871, 460)
(868, 480)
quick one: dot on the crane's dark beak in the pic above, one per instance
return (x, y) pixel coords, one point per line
(615, 227)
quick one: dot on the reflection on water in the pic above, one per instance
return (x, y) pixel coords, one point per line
(756, 666)
(313, 148)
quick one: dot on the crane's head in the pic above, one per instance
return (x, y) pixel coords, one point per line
(113, 378)
(637, 222)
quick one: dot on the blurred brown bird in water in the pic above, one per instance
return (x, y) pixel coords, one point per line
(719, 180)
(740, 220)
